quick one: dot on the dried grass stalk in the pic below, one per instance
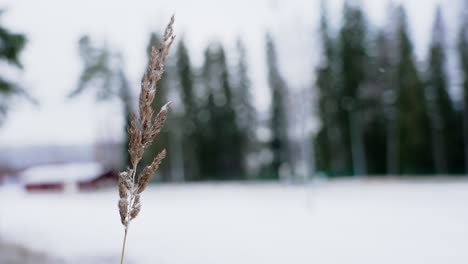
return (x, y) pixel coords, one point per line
(143, 130)
(148, 172)
(123, 208)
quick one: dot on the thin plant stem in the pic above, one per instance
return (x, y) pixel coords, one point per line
(123, 246)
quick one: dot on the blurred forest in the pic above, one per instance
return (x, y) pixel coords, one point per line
(379, 110)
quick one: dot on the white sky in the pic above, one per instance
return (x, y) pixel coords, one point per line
(52, 65)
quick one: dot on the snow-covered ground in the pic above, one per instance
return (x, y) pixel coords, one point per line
(361, 222)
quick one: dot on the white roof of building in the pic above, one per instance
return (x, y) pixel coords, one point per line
(62, 173)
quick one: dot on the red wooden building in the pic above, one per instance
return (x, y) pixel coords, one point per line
(67, 177)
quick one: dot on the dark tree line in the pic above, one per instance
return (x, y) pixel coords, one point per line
(214, 126)
(382, 112)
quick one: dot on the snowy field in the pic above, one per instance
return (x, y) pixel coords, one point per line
(352, 222)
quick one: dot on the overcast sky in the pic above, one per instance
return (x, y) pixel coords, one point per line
(52, 65)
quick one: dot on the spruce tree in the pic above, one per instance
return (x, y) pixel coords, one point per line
(188, 123)
(445, 126)
(279, 93)
(413, 121)
(329, 140)
(244, 107)
(353, 61)
(383, 126)
(324, 81)
(232, 159)
(378, 98)
(11, 45)
(103, 73)
(97, 70)
(463, 60)
(208, 151)
(221, 147)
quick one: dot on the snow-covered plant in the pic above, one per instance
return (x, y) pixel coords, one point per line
(142, 131)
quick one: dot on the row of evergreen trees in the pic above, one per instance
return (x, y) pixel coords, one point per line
(381, 111)
(211, 132)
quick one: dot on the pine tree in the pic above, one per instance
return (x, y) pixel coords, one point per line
(189, 124)
(279, 126)
(221, 148)
(413, 122)
(378, 97)
(387, 64)
(232, 159)
(445, 127)
(208, 151)
(244, 108)
(353, 58)
(329, 140)
(103, 72)
(463, 60)
(11, 45)
(323, 140)
(97, 70)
